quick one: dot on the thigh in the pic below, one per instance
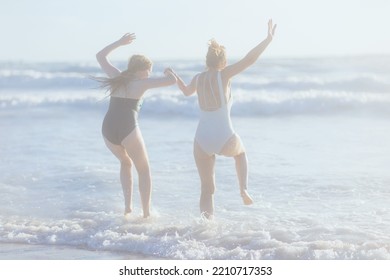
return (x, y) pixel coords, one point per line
(135, 148)
(119, 151)
(205, 164)
(233, 146)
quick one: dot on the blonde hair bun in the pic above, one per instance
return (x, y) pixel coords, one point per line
(217, 48)
(216, 55)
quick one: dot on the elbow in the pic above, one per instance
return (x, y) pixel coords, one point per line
(99, 56)
(187, 92)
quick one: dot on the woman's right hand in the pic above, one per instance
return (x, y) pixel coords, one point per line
(127, 39)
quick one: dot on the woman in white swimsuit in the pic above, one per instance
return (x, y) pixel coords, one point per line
(215, 133)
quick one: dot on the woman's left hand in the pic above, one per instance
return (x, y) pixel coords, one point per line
(271, 29)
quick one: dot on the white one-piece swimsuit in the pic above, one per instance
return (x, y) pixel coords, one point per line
(215, 127)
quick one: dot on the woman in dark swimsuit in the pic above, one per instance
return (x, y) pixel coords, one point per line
(120, 128)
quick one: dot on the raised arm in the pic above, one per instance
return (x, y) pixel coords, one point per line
(102, 56)
(252, 56)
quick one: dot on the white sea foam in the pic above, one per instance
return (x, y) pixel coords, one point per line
(193, 239)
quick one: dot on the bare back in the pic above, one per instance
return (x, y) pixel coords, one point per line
(209, 93)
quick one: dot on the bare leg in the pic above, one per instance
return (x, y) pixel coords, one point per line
(235, 148)
(127, 186)
(205, 165)
(242, 174)
(136, 149)
(125, 173)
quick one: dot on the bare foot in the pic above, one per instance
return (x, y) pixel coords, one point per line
(206, 215)
(127, 211)
(146, 215)
(246, 198)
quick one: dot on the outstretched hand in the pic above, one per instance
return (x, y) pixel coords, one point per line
(271, 29)
(127, 39)
(169, 71)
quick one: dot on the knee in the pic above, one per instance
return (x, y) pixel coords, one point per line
(240, 156)
(126, 162)
(143, 169)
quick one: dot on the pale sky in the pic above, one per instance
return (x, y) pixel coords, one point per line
(74, 30)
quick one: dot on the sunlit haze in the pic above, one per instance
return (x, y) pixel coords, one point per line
(52, 30)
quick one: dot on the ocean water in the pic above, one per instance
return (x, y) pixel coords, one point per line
(317, 134)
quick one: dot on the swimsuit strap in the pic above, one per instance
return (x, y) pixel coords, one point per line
(221, 91)
(212, 91)
(204, 91)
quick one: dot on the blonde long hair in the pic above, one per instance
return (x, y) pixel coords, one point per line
(216, 55)
(136, 63)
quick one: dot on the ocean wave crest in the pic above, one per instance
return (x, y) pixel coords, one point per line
(170, 102)
(351, 75)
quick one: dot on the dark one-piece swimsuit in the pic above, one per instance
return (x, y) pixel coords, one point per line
(121, 118)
